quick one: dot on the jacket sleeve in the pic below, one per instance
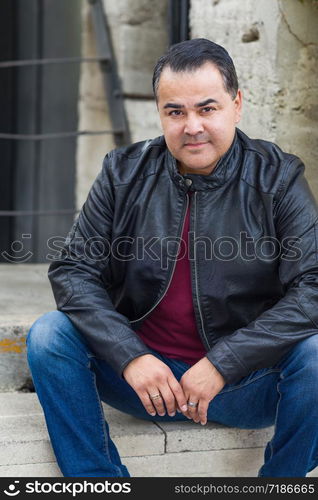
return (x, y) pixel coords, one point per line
(78, 286)
(294, 317)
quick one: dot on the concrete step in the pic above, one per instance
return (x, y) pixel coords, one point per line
(148, 449)
(25, 294)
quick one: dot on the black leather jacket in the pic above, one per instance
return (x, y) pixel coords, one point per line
(253, 264)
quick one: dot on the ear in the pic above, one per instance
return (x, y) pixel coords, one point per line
(238, 102)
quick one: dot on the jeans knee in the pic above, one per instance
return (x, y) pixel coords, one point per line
(307, 350)
(303, 357)
(45, 333)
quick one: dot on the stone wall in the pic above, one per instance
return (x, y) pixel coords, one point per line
(297, 71)
(139, 36)
(274, 46)
(93, 115)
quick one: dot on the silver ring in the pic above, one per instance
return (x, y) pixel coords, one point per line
(193, 405)
(155, 396)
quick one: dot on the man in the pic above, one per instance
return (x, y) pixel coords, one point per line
(187, 287)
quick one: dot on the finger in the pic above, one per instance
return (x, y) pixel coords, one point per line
(147, 403)
(169, 400)
(181, 401)
(203, 411)
(193, 408)
(187, 413)
(186, 396)
(157, 400)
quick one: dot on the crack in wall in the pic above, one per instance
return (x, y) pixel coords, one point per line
(299, 40)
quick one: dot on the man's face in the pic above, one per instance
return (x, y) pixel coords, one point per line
(198, 116)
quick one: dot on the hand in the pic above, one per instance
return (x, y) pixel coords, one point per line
(201, 383)
(147, 375)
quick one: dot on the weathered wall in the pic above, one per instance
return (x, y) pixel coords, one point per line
(139, 36)
(93, 115)
(297, 71)
(274, 44)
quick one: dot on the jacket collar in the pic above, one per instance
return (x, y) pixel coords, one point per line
(222, 172)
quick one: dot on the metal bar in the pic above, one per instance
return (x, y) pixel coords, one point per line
(57, 135)
(172, 16)
(140, 97)
(102, 34)
(14, 213)
(184, 20)
(111, 78)
(57, 60)
(178, 19)
(38, 124)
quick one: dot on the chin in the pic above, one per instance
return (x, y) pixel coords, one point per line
(197, 169)
(200, 165)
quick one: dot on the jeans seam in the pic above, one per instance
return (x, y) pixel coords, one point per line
(275, 423)
(270, 443)
(276, 370)
(103, 426)
(314, 463)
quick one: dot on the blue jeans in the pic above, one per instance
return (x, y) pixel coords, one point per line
(71, 382)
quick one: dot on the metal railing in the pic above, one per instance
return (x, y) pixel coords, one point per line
(113, 93)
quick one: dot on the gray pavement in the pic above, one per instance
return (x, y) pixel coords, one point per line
(25, 294)
(148, 449)
(25, 291)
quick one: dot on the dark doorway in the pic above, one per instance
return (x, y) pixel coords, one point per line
(38, 175)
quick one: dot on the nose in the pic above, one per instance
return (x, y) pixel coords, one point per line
(193, 125)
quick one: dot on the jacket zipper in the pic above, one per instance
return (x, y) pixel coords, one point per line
(172, 270)
(196, 277)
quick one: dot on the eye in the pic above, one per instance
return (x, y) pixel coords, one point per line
(207, 109)
(175, 112)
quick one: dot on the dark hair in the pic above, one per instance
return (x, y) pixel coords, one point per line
(191, 55)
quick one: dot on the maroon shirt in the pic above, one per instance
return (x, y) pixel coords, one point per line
(171, 328)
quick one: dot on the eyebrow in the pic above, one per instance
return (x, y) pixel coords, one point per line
(207, 101)
(198, 105)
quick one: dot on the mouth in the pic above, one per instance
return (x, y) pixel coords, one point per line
(194, 145)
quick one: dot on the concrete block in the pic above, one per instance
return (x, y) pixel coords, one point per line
(141, 49)
(222, 463)
(28, 452)
(24, 437)
(25, 449)
(27, 291)
(139, 467)
(139, 36)
(18, 404)
(136, 12)
(134, 437)
(143, 119)
(26, 296)
(49, 469)
(188, 436)
(14, 370)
